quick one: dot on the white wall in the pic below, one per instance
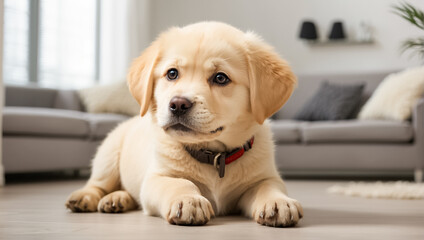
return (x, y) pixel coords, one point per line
(278, 21)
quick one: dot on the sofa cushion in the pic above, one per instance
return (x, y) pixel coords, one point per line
(396, 96)
(68, 99)
(332, 102)
(102, 123)
(44, 122)
(357, 131)
(308, 85)
(112, 98)
(286, 131)
(19, 96)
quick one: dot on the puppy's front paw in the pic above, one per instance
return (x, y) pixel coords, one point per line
(84, 200)
(190, 210)
(281, 212)
(117, 202)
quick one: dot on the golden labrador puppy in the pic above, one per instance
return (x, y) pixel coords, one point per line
(203, 145)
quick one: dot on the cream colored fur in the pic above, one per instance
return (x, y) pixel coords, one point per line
(143, 163)
(111, 98)
(395, 96)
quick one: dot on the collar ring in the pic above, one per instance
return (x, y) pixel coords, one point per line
(215, 160)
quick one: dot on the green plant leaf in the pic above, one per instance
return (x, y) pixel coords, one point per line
(416, 17)
(410, 14)
(415, 45)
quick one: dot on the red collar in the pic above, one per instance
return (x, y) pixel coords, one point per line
(220, 159)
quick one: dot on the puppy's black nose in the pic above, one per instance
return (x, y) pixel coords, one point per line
(179, 105)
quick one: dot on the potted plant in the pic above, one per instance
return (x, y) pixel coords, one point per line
(416, 17)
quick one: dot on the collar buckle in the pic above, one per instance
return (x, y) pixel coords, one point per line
(219, 163)
(215, 160)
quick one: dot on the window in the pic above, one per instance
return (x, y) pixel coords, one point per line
(51, 43)
(16, 35)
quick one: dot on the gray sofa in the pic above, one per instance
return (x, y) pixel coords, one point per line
(47, 129)
(349, 146)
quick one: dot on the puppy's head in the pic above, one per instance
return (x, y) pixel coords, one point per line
(205, 79)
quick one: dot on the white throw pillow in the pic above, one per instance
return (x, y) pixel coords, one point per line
(112, 98)
(395, 97)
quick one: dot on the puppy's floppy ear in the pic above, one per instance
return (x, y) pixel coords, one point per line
(271, 79)
(140, 76)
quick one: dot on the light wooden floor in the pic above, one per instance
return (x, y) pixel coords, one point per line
(36, 211)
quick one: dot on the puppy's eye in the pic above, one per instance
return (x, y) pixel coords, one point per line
(172, 74)
(221, 79)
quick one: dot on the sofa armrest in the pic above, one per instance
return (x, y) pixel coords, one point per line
(418, 121)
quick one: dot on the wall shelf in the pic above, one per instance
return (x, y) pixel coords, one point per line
(338, 43)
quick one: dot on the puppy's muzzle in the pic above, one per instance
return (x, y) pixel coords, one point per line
(179, 106)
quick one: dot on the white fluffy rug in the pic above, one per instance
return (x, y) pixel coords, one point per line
(389, 190)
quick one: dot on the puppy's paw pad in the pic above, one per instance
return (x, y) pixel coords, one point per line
(116, 202)
(83, 201)
(281, 212)
(190, 210)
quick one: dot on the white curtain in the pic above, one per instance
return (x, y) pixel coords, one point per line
(124, 33)
(67, 43)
